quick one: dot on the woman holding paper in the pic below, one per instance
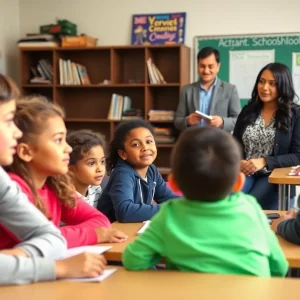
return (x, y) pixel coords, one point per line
(268, 129)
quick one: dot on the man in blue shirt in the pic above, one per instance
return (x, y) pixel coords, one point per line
(209, 95)
(205, 96)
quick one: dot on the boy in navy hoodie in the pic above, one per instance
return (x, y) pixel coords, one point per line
(134, 181)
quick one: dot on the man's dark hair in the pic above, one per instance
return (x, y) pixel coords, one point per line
(205, 163)
(207, 51)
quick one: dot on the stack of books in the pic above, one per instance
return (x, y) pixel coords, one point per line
(164, 135)
(161, 115)
(132, 114)
(38, 40)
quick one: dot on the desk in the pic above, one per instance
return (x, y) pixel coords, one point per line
(291, 251)
(280, 176)
(130, 229)
(149, 285)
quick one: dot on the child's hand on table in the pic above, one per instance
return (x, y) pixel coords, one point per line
(291, 214)
(81, 265)
(110, 235)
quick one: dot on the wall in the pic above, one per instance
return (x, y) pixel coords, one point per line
(9, 34)
(110, 20)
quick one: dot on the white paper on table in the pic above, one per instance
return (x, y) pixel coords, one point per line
(244, 67)
(145, 226)
(91, 249)
(100, 278)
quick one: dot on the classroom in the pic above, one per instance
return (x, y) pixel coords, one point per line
(99, 139)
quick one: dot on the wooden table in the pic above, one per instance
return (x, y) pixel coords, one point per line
(280, 176)
(149, 285)
(131, 229)
(291, 251)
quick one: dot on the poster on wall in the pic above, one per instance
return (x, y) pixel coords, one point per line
(158, 29)
(296, 72)
(243, 66)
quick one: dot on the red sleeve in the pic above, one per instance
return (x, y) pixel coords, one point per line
(81, 222)
(23, 185)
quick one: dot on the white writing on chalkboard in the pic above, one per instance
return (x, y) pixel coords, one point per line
(244, 66)
(296, 72)
(259, 42)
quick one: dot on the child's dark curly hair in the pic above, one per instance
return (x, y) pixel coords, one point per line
(82, 141)
(119, 138)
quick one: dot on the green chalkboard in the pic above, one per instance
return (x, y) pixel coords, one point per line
(282, 44)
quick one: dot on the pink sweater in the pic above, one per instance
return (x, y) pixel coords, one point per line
(80, 221)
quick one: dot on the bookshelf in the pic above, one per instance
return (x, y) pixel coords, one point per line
(125, 68)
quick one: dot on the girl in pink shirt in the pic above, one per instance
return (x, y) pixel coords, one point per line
(40, 168)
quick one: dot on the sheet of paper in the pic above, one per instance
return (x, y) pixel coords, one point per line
(205, 116)
(90, 249)
(296, 72)
(244, 67)
(145, 226)
(100, 278)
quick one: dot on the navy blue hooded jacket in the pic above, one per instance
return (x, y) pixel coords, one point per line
(127, 197)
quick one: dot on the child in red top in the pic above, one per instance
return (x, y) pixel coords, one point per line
(40, 168)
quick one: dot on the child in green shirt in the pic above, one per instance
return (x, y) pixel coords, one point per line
(211, 229)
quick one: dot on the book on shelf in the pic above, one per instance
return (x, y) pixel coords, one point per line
(71, 73)
(164, 170)
(128, 118)
(32, 37)
(42, 80)
(133, 114)
(164, 135)
(165, 131)
(161, 115)
(118, 106)
(42, 72)
(164, 139)
(154, 73)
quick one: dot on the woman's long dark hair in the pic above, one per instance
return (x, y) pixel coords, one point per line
(286, 97)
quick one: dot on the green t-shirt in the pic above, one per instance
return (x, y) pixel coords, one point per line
(230, 236)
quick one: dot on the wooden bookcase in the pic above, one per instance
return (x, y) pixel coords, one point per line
(87, 106)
